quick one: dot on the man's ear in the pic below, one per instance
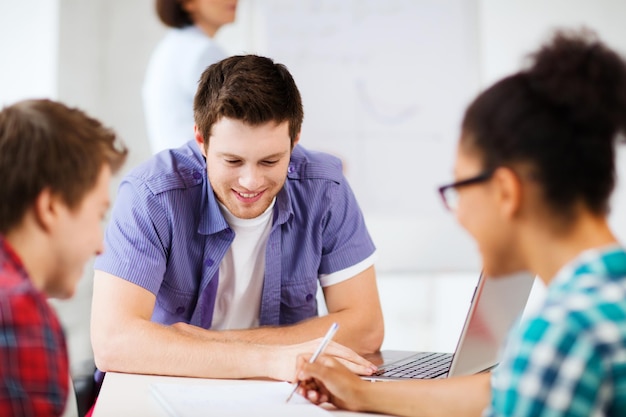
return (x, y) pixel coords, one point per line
(46, 209)
(295, 141)
(509, 191)
(199, 139)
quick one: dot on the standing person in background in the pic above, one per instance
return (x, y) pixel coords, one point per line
(50, 225)
(534, 172)
(176, 64)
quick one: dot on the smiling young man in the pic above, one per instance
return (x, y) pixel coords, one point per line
(50, 226)
(215, 250)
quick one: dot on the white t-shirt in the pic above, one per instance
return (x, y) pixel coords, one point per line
(170, 85)
(242, 270)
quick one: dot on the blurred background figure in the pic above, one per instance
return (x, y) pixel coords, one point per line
(176, 64)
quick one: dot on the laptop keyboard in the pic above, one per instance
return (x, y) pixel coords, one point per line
(428, 366)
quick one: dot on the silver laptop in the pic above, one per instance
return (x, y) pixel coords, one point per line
(496, 305)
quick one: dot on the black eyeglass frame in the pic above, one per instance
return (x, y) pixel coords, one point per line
(482, 177)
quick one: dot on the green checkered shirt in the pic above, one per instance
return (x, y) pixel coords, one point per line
(569, 358)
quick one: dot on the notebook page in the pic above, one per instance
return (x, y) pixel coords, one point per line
(233, 400)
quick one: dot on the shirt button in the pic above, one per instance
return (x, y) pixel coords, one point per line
(309, 297)
(290, 169)
(180, 310)
(197, 175)
(209, 262)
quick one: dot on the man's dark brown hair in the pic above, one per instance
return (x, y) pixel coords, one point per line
(249, 88)
(47, 145)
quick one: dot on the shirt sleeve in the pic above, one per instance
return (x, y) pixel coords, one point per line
(553, 369)
(346, 239)
(34, 369)
(326, 280)
(136, 238)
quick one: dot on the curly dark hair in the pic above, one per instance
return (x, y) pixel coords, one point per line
(561, 115)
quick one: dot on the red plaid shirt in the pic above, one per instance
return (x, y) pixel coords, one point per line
(34, 369)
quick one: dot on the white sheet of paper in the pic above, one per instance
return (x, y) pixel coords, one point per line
(233, 400)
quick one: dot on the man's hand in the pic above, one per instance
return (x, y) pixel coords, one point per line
(285, 358)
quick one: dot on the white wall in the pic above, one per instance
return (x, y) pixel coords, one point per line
(28, 49)
(511, 29)
(384, 85)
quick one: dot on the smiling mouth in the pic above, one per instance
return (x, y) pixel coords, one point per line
(248, 195)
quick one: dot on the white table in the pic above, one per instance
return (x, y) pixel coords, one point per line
(129, 395)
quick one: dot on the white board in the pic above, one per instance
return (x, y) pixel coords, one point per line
(384, 86)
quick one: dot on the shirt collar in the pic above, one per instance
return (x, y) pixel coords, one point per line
(7, 252)
(283, 210)
(602, 261)
(212, 220)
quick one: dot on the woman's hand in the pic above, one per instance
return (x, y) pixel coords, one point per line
(327, 380)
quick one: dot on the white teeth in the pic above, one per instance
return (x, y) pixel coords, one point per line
(248, 195)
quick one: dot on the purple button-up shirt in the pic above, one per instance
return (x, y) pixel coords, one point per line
(167, 235)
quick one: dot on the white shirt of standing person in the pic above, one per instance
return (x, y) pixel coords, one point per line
(170, 84)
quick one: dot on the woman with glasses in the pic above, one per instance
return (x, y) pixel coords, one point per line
(535, 168)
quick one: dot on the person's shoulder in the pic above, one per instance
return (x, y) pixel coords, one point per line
(12, 278)
(595, 309)
(179, 44)
(187, 39)
(189, 32)
(185, 34)
(21, 300)
(171, 169)
(181, 56)
(310, 164)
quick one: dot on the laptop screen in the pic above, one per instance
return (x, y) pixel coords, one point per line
(500, 303)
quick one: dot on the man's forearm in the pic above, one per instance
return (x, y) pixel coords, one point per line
(150, 348)
(185, 350)
(362, 336)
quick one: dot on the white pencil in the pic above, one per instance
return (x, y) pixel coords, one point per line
(320, 349)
